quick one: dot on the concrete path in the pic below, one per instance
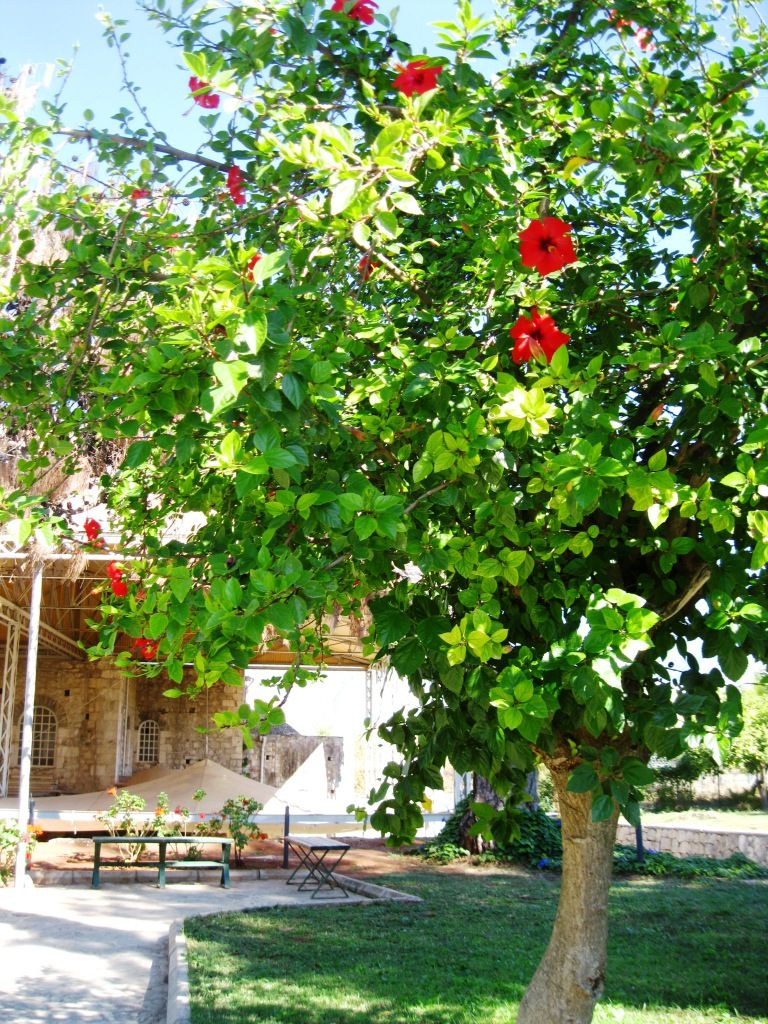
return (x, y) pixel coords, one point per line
(70, 954)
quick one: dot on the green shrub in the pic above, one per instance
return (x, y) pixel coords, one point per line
(237, 813)
(625, 862)
(445, 853)
(10, 837)
(538, 843)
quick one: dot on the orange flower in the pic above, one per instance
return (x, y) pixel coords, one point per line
(112, 791)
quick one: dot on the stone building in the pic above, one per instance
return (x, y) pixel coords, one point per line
(96, 725)
(279, 755)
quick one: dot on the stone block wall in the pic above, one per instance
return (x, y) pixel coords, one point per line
(273, 759)
(178, 718)
(698, 842)
(98, 711)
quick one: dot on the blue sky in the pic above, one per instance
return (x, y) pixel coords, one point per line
(46, 31)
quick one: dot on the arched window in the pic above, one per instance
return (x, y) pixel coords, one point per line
(43, 737)
(149, 742)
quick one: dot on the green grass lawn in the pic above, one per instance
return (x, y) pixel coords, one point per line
(679, 953)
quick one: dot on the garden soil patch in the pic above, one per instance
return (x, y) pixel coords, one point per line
(367, 858)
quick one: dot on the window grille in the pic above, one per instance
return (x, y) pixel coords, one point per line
(43, 738)
(149, 742)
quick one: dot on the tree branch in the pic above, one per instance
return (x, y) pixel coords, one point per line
(699, 579)
(87, 135)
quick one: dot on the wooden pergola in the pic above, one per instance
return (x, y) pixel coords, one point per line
(46, 602)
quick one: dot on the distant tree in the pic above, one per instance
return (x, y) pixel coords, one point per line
(750, 748)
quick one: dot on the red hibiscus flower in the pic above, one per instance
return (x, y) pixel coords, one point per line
(119, 588)
(208, 100)
(534, 335)
(617, 21)
(140, 193)
(114, 571)
(366, 266)
(644, 39)
(235, 185)
(362, 10)
(92, 529)
(252, 263)
(417, 77)
(546, 245)
(146, 648)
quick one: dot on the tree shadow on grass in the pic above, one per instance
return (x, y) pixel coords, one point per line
(467, 952)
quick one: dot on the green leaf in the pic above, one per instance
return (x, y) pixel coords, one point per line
(735, 480)
(392, 625)
(603, 807)
(405, 201)
(407, 657)
(385, 142)
(138, 454)
(252, 332)
(180, 584)
(422, 468)
(270, 264)
(350, 502)
(365, 526)
(294, 389)
(343, 195)
(733, 661)
(582, 779)
(158, 623)
(387, 224)
(523, 691)
(230, 447)
(636, 773)
(233, 376)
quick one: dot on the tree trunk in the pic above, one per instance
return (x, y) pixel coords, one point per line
(762, 789)
(482, 792)
(569, 980)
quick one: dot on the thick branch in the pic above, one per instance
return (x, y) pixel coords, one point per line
(699, 579)
(142, 144)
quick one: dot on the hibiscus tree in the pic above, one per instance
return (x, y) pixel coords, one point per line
(549, 543)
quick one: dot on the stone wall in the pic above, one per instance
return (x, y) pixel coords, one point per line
(698, 842)
(273, 759)
(85, 698)
(98, 711)
(179, 718)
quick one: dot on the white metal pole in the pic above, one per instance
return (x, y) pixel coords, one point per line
(25, 764)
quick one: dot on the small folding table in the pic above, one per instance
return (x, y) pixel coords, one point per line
(319, 856)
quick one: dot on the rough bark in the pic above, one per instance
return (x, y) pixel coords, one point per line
(569, 980)
(482, 792)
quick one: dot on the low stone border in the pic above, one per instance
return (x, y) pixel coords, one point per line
(702, 841)
(179, 1010)
(123, 875)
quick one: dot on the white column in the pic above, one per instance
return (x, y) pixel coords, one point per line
(10, 666)
(25, 766)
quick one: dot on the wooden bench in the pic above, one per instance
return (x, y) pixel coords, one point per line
(320, 856)
(163, 842)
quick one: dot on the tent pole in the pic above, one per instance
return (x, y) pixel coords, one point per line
(25, 765)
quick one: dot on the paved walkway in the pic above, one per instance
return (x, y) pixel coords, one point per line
(72, 955)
